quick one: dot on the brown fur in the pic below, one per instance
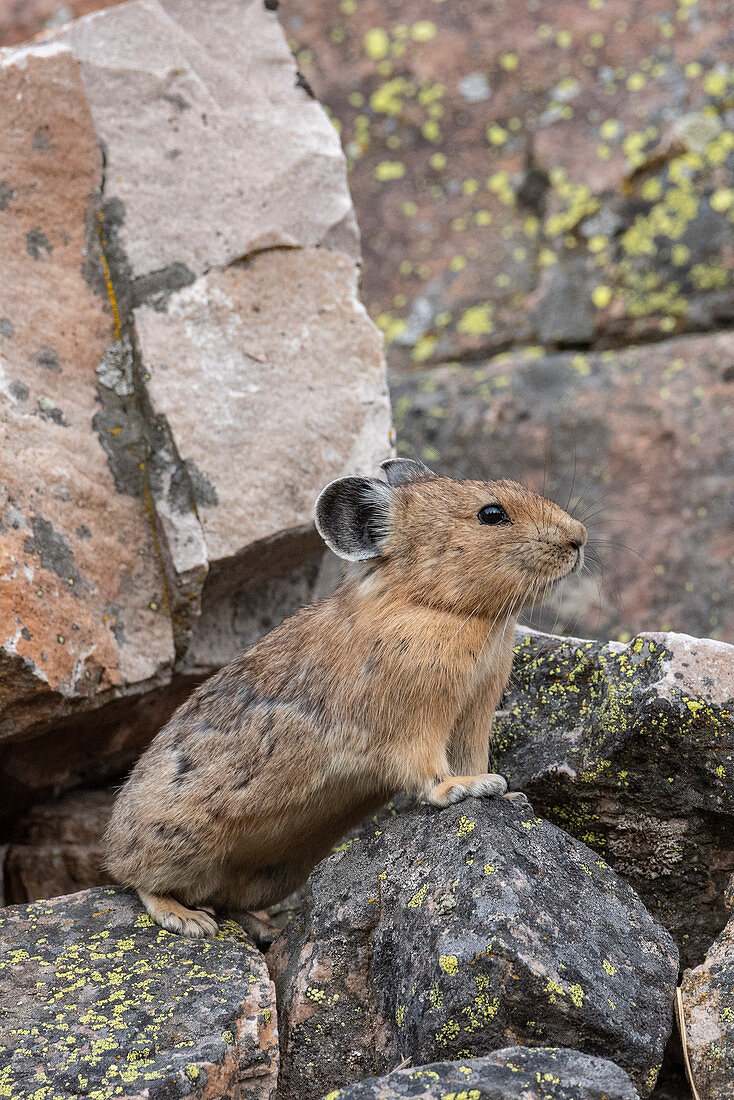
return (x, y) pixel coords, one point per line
(389, 685)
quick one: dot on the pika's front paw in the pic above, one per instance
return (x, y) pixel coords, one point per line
(174, 917)
(457, 787)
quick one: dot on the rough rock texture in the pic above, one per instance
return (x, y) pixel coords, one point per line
(56, 848)
(100, 1002)
(631, 749)
(515, 1073)
(638, 441)
(442, 935)
(184, 363)
(708, 1014)
(554, 172)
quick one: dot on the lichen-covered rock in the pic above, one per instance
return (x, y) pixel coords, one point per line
(97, 1001)
(534, 171)
(515, 1073)
(184, 364)
(444, 935)
(56, 848)
(708, 1016)
(631, 749)
(638, 439)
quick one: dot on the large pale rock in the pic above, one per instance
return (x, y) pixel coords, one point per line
(708, 1016)
(637, 440)
(96, 1000)
(631, 749)
(184, 363)
(515, 1073)
(271, 381)
(444, 935)
(243, 159)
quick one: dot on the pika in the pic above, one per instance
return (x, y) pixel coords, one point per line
(389, 685)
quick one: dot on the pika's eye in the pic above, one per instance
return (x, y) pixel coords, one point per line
(493, 514)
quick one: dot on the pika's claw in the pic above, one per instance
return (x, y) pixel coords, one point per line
(458, 787)
(518, 799)
(174, 917)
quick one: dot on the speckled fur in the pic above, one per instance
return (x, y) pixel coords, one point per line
(389, 685)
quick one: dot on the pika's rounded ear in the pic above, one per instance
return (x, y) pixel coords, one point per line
(399, 471)
(352, 516)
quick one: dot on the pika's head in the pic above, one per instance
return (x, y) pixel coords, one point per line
(470, 546)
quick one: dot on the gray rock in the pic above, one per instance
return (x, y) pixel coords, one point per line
(515, 1073)
(96, 1000)
(544, 946)
(631, 749)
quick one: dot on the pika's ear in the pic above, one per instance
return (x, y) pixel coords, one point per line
(399, 471)
(353, 517)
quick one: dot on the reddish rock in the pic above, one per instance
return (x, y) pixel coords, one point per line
(708, 1017)
(56, 848)
(83, 593)
(639, 441)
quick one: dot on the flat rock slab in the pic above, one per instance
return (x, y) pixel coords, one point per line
(440, 935)
(96, 1000)
(515, 1073)
(631, 749)
(708, 1016)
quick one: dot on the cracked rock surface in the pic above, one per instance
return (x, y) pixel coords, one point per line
(184, 363)
(631, 749)
(441, 935)
(515, 1073)
(101, 1002)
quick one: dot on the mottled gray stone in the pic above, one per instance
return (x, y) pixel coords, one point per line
(630, 747)
(515, 1073)
(96, 1000)
(441, 935)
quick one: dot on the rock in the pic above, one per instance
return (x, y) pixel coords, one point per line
(482, 142)
(631, 749)
(543, 1073)
(491, 146)
(443, 935)
(184, 356)
(708, 1018)
(99, 1001)
(637, 440)
(56, 848)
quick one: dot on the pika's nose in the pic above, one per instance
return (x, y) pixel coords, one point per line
(578, 536)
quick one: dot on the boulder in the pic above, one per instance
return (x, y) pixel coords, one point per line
(532, 173)
(636, 440)
(631, 749)
(708, 1016)
(96, 1000)
(515, 1073)
(444, 935)
(56, 847)
(183, 355)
